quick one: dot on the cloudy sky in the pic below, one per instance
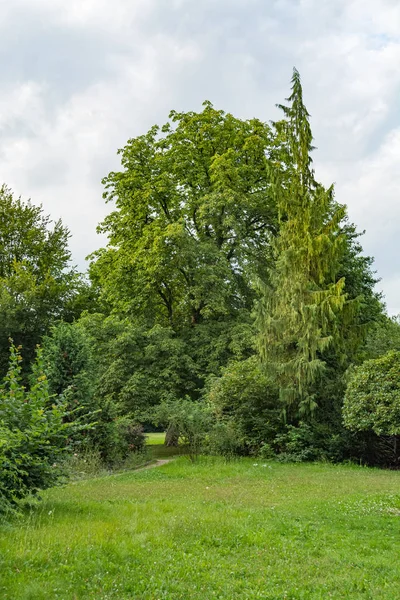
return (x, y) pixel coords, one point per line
(79, 78)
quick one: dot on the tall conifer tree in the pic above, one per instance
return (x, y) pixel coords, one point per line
(297, 315)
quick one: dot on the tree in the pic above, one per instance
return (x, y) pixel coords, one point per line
(136, 367)
(194, 216)
(244, 394)
(74, 374)
(192, 422)
(69, 367)
(372, 399)
(383, 337)
(298, 314)
(36, 280)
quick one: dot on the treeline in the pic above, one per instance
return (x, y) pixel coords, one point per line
(232, 306)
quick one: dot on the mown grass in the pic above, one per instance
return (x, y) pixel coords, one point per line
(156, 449)
(153, 439)
(236, 530)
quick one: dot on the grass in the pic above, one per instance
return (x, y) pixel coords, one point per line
(156, 448)
(238, 530)
(155, 439)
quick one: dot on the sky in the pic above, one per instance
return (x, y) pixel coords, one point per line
(79, 78)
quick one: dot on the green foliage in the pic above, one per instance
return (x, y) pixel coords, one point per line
(372, 399)
(194, 215)
(137, 368)
(116, 436)
(382, 338)
(297, 444)
(226, 439)
(192, 421)
(266, 452)
(303, 302)
(71, 369)
(133, 435)
(33, 433)
(310, 442)
(244, 393)
(37, 283)
(69, 364)
(213, 344)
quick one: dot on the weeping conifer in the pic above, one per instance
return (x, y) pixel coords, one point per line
(298, 313)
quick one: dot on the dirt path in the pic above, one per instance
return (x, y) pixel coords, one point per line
(157, 463)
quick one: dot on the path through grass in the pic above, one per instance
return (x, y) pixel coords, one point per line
(240, 530)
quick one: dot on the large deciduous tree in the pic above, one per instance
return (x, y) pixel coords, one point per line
(194, 215)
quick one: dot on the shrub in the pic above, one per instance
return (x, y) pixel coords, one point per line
(298, 444)
(226, 439)
(193, 421)
(266, 451)
(132, 436)
(114, 436)
(316, 441)
(69, 366)
(33, 433)
(71, 371)
(372, 407)
(372, 399)
(244, 393)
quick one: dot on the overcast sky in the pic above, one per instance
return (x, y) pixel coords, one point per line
(79, 78)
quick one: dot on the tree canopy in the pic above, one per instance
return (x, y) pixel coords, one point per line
(195, 213)
(372, 399)
(37, 281)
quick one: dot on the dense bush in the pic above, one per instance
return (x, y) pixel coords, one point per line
(226, 439)
(137, 368)
(245, 394)
(372, 399)
(383, 337)
(33, 433)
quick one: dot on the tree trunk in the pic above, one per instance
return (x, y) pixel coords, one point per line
(172, 436)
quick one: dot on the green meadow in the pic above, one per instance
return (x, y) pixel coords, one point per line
(213, 529)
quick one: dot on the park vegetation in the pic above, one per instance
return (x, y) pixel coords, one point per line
(232, 307)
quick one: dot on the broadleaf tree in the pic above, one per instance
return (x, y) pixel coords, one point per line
(194, 214)
(37, 281)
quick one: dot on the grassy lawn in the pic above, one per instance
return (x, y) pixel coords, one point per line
(156, 448)
(210, 530)
(153, 439)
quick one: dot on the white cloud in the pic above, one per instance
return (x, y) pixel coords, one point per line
(372, 190)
